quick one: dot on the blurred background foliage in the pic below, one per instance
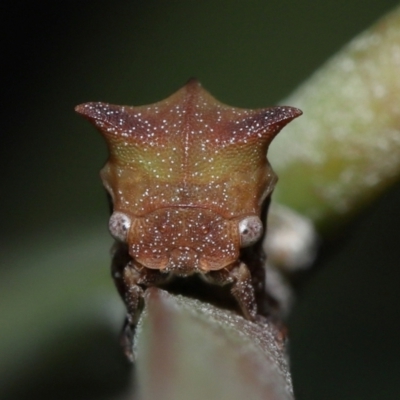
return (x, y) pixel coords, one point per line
(59, 311)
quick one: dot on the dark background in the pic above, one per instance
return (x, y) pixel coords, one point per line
(344, 330)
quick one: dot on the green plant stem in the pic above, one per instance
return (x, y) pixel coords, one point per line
(187, 349)
(345, 149)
